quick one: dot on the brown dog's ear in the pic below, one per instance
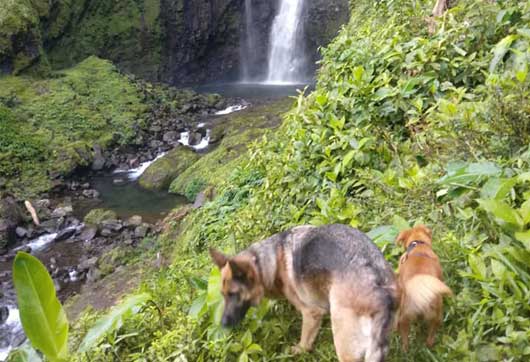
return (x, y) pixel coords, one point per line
(402, 237)
(426, 230)
(218, 258)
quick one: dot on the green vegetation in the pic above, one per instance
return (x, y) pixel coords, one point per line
(159, 175)
(403, 127)
(43, 317)
(49, 126)
(97, 216)
(236, 131)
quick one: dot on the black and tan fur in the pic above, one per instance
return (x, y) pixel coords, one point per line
(332, 268)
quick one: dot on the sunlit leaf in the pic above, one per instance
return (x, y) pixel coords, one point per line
(41, 313)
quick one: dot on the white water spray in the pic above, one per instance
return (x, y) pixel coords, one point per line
(286, 58)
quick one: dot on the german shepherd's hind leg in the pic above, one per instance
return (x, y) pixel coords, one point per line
(311, 321)
(360, 326)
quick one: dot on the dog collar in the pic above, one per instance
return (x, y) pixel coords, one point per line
(413, 244)
(411, 247)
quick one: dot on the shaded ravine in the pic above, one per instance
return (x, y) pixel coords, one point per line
(70, 260)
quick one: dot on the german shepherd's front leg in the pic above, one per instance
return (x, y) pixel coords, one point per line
(311, 321)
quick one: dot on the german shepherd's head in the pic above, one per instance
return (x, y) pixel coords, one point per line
(241, 285)
(417, 233)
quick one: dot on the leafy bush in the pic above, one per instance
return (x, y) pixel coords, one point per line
(403, 127)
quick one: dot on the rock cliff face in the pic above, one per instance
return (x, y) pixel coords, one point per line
(173, 41)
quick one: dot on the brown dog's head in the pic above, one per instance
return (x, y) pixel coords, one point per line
(417, 233)
(241, 286)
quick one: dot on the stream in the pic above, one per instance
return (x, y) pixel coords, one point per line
(118, 191)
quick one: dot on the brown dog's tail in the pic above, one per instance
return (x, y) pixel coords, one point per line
(421, 292)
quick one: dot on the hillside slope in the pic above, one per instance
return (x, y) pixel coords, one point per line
(403, 127)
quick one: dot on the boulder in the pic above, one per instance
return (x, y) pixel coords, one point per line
(171, 137)
(96, 216)
(65, 234)
(91, 194)
(21, 232)
(98, 162)
(88, 233)
(194, 138)
(160, 173)
(4, 313)
(141, 231)
(62, 211)
(135, 220)
(112, 224)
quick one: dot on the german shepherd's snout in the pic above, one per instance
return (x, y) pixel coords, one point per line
(240, 288)
(329, 269)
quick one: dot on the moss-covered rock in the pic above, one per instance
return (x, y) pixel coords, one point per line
(48, 127)
(96, 216)
(159, 175)
(235, 132)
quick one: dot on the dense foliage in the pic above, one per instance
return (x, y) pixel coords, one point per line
(403, 127)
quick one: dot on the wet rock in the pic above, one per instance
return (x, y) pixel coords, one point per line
(160, 173)
(96, 216)
(141, 231)
(4, 314)
(88, 233)
(128, 241)
(112, 224)
(88, 264)
(155, 129)
(85, 186)
(118, 181)
(65, 234)
(194, 138)
(21, 232)
(90, 194)
(135, 220)
(155, 144)
(43, 204)
(62, 211)
(106, 232)
(171, 136)
(98, 161)
(49, 225)
(93, 275)
(134, 162)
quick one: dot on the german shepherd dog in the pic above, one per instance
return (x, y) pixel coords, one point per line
(420, 283)
(332, 268)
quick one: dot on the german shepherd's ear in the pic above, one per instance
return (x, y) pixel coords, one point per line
(402, 237)
(218, 258)
(243, 269)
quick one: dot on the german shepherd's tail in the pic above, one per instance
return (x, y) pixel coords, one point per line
(421, 292)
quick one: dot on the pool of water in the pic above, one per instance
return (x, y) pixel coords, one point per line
(252, 91)
(127, 198)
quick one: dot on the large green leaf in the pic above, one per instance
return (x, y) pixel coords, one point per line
(502, 213)
(500, 51)
(41, 313)
(113, 320)
(464, 173)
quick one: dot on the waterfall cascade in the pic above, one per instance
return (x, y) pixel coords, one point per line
(248, 50)
(286, 51)
(285, 61)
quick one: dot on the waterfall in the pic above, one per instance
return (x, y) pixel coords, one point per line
(248, 50)
(286, 56)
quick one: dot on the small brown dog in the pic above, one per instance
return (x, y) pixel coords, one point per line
(420, 283)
